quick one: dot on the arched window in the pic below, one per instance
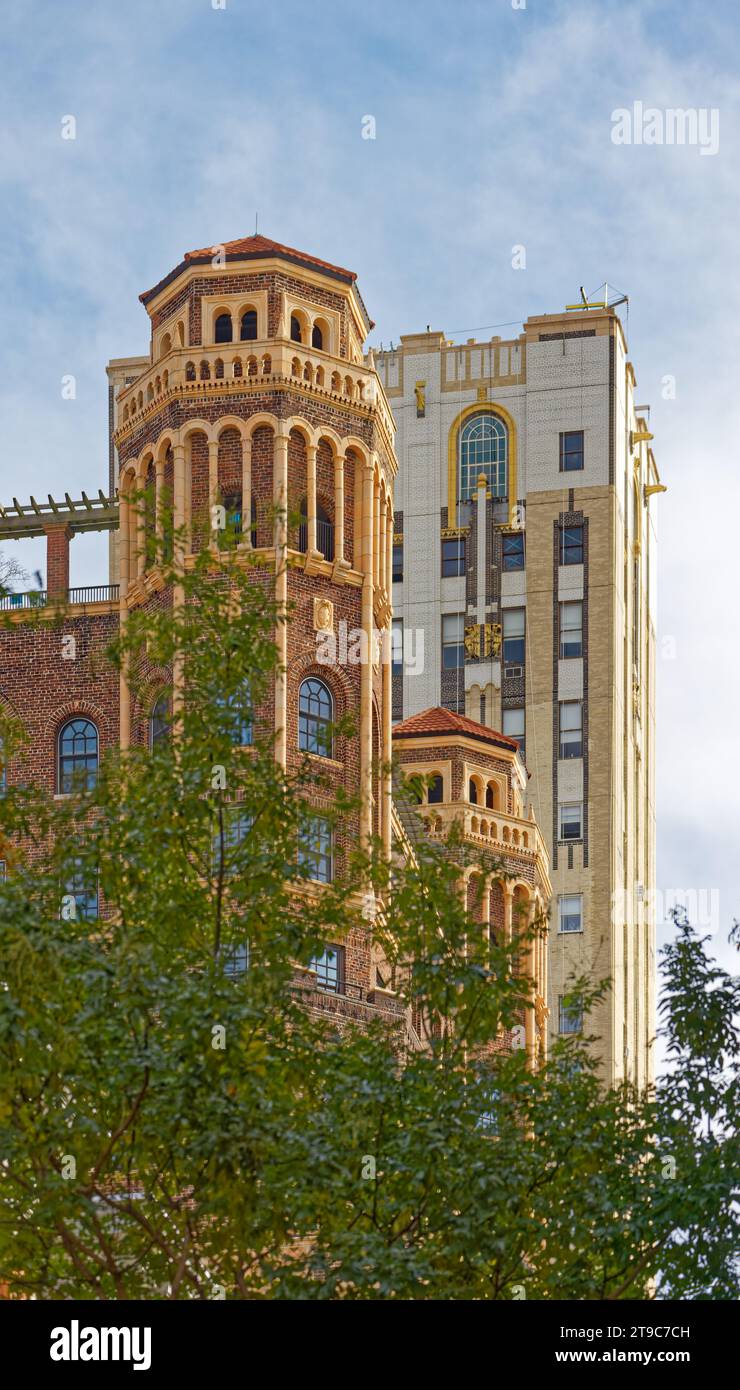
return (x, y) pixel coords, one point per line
(483, 449)
(317, 337)
(472, 793)
(491, 797)
(295, 329)
(435, 793)
(248, 331)
(78, 756)
(315, 714)
(159, 720)
(224, 329)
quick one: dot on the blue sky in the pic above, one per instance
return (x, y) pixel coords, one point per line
(493, 128)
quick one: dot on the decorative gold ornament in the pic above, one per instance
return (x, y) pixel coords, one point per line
(323, 615)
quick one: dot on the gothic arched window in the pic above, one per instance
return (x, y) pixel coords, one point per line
(315, 714)
(78, 756)
(483, 449)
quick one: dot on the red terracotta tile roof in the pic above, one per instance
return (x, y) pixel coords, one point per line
(256, 247)
(444, 722)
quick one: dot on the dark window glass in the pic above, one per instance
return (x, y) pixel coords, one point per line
(397, 563)
(571, 451)
(248, 330)
(239, 715)
(435, 793)
(571, 545)
(453, 642)
(295, 329)
(236, 960)
(223, 328)
(78, 756)
(472, 793)
(159, 723)
(329, 967)
(570, 1019)
(316, 851)
(453, 557)
(82, 885)
(317, 337)
(571, 729)
(315, 714)
(513, 555)
(570, 822)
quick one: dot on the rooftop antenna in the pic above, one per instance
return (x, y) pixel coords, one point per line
(600, 303)
(256, 222)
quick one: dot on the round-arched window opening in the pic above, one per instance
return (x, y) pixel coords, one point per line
(472, 793)
(436, 790)
(315, 716)
(78, 756)
(248, 330)
(295, 329)
(224, 328)
(160, 720)
(317, 338)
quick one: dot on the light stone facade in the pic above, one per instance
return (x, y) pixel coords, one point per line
(566, 372)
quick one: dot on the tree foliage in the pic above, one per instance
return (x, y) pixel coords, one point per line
(176, 1126)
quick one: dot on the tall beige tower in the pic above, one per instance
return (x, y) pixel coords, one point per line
(525, 563)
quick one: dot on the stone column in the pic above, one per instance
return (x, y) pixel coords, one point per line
(212, 482)
(311, 451)
(339, 508)
(159, 508)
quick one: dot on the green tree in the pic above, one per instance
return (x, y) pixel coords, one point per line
(175, 1123)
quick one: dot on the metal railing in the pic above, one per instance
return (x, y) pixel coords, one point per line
(324, 538)
(94, 593)
(40, 598)
(35, 598)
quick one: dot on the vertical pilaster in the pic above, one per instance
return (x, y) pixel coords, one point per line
(366, 734)
(247, 491)
(178, 593)
(280, 501)
(124, 558)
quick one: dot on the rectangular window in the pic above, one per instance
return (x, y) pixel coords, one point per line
(453, 557)
(329, 967)
(236, 960)
(514, 629)
(570, 1020)
(570, 912)
(236, 826)
(398, 563)
(316, 852)
(570, 821)
(571, 451)
(453, 644)
(513, 721)
(397, 647)
(82, 885)
(571, 729)
(571, 628)
(571, 545)
(513, 551)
